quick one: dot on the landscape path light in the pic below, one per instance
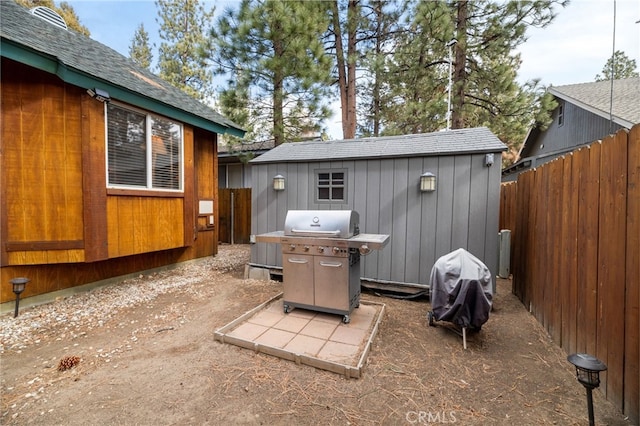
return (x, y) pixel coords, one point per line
(588, 370)
(18, 287)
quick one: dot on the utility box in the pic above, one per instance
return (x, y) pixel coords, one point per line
(504, 256)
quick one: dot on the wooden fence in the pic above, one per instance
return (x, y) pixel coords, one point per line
(575, 255)
(235, 215)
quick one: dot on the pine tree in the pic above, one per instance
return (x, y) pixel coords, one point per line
(483, 35)
(139, 50)
(620, 66)
(183, 29)
(276, 66)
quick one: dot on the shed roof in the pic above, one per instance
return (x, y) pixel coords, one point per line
(84, 62)
(460, 141)
(598, 98)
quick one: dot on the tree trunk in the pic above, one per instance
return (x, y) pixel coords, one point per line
(346, 68)
(459, 75)
(340, 63)
(376, 84)
(349, 130)
(278, 98)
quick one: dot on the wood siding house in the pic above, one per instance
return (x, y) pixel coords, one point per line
(105, 169)
(585, 113)
(380, 179)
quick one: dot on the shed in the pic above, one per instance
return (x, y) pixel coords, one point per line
(380, 179)
(105, 169)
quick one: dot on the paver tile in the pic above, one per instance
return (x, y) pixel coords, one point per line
(275, 338)
(350, 335)
(266, 318)
(319, 329)
(305, 345)
(338, 352)
(292, 324)
(248, 331)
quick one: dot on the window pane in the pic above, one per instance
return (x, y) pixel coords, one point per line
(337, 194)
(323, 193)
(126, 134)
(166, 140)
(323, 179)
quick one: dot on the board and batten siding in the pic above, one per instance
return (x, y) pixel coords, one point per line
(579, 127)
(463, 212)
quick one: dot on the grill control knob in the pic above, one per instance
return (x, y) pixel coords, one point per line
(364, 249)
(320, 249)
(306, 248)
(292, 247)
(336, 250)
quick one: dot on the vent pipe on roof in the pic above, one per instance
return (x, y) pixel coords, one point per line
(49, 15)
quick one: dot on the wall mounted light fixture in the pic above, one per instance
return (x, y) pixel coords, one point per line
(488, 160)
(99, 94)
(278, 183)
(427, 182)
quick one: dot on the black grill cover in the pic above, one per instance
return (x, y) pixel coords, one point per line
(461, 290)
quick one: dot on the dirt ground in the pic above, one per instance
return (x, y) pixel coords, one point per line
(156, 363)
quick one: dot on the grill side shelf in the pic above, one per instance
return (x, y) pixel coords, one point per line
(270, 237)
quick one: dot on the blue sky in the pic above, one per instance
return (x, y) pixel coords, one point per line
(573, 49)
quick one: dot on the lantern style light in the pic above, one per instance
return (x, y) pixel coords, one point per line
(278, 183)
(588, 370)
(427, 182)
(18, 287)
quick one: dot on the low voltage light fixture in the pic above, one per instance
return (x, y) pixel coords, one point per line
(427, 182)
(588, 370)
(99, 94)
(18, 287)
(278, 183)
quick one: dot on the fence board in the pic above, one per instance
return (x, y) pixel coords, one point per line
(588, 246)
(568, 251)
(632, 303)
(553, 303)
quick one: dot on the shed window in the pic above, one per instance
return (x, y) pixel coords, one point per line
(331, 185)
(144, 151)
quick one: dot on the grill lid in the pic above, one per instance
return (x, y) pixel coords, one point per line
(322, 223)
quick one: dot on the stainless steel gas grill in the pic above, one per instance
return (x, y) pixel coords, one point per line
(321, 252)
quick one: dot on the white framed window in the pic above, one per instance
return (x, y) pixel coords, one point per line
(331, 185)
(144, 151)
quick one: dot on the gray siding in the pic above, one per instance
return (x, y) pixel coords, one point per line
(462, 212)
(580, 127)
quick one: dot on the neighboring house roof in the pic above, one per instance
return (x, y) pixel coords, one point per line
(257, 148)
(84, 62)
(452, 142)
(622, 105)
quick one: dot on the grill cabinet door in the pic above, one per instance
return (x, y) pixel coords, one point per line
(331, 276)
(297, 278)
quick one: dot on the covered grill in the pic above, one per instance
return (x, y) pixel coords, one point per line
(460, 287)
(321, 252)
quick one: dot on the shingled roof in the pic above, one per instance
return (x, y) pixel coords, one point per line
(84, 62)
(460, 141)
(596, 98)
